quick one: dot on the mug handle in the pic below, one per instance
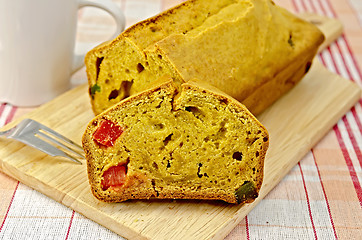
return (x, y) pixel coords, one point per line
(114, 11)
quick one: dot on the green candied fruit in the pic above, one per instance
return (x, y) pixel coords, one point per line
(246, 192)
(95, 88)
(290, 41)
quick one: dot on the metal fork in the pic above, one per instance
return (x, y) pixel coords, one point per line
(32, 133)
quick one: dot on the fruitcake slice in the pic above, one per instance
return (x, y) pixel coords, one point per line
(176, 142)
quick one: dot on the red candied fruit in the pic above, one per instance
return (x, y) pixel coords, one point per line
(114, 177)
(107, 133)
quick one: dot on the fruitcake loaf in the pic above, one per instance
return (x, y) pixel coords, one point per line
(252, 50)
(176, 142)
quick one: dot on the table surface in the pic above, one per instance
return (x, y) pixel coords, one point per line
(321, 197)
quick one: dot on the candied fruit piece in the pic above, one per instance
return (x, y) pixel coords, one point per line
(107, 133)
(114, 177)
(246, 192)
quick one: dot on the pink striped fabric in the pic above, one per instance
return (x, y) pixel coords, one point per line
(320, 198)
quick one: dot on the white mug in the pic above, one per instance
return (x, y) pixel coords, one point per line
(37, 40)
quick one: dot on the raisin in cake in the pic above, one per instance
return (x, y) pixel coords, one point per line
(252, 50)
(176, 142)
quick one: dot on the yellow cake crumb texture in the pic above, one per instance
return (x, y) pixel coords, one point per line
(187, 143)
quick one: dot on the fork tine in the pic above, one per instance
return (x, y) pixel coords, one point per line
(51, 131)
(46, 147)
(26, 132)
(60, 144)
(71, 158)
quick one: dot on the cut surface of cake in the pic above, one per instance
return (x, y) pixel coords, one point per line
(252, 50)
(176, 142)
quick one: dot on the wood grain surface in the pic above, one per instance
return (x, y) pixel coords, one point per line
(295, 123)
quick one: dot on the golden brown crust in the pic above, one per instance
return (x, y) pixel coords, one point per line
(279, 85)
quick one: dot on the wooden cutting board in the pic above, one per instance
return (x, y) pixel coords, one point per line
(296, 123)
